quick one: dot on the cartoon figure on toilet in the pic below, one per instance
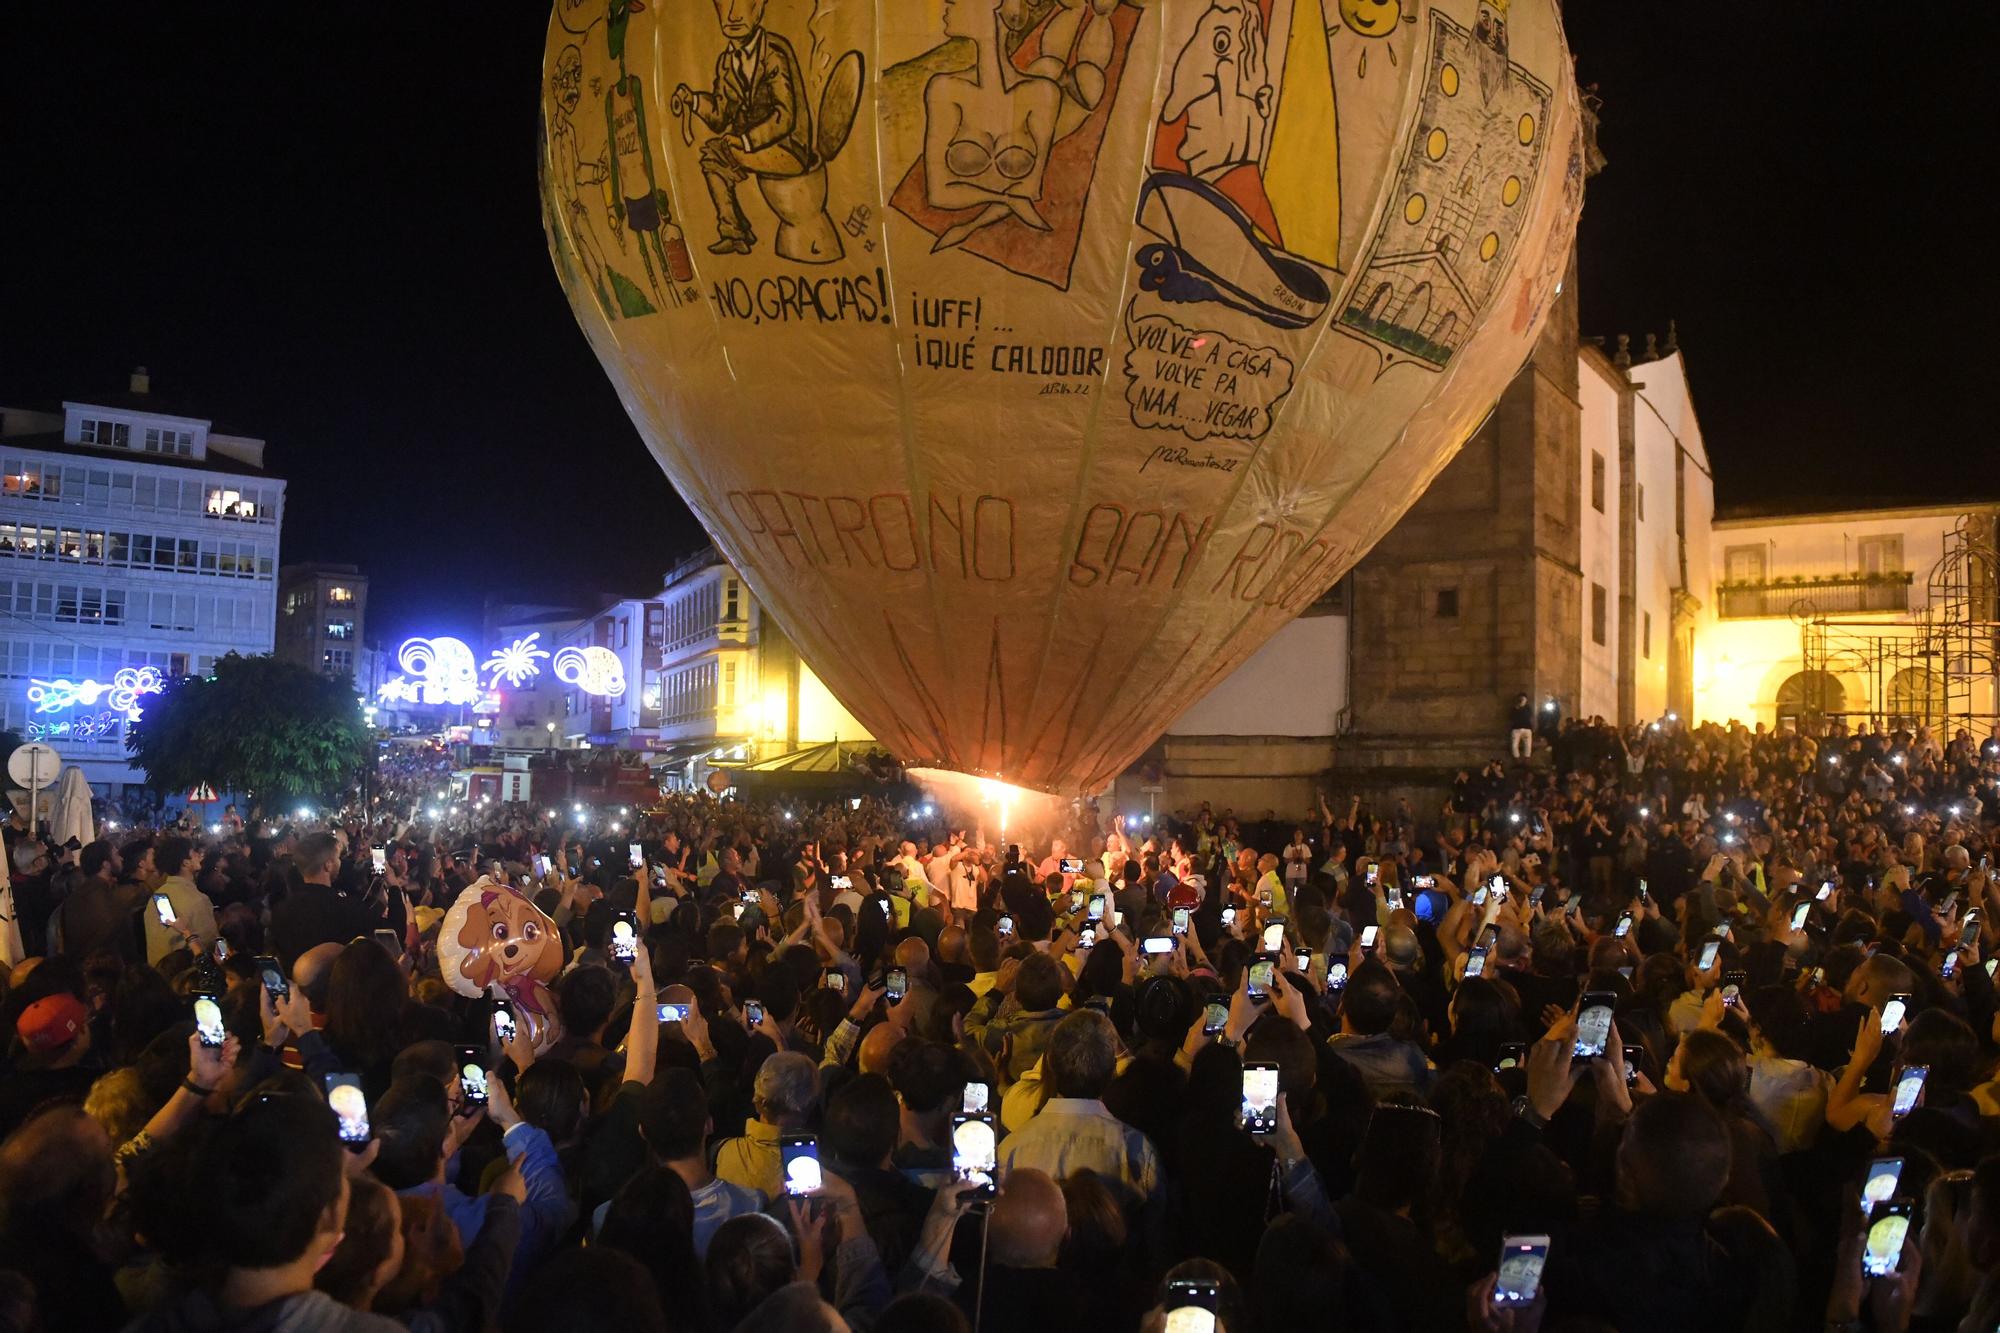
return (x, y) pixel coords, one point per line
(765, 129)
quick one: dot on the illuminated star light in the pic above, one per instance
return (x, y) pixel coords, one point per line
(516, 662)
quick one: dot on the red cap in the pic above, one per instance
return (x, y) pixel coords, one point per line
(52, 1022)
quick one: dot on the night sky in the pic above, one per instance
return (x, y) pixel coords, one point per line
(318, 225)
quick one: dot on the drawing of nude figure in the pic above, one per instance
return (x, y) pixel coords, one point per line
(987, 131)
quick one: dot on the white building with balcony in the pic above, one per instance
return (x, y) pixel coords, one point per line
(1886, 614)
(134, 538)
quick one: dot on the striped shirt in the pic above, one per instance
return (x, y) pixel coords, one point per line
(1075, 1134)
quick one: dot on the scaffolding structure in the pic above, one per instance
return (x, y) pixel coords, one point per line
(1934, 667)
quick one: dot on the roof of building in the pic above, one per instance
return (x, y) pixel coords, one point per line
(52, 442)
(1807, 507)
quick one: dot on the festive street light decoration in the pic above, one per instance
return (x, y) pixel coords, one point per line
(121, 694)
(517, 662)
(1027, 453)
(593, 670)
(436, 671)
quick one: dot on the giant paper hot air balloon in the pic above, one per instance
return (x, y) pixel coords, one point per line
(1035, 360)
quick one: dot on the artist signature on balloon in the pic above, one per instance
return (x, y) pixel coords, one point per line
(1182, 456)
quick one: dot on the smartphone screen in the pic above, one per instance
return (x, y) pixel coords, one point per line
(1191, 1306)
(1825, 892)
(1336, 976)
(1888, 1228)
(1949, 967)
(379, 859)
(503, 1023)
(350, 1105)
(1884, 1173)
(834, 981)
(897, 984)
(1180, 921)
(1512, 1056)
(1070, 865)
(1274, 935)
(1374, 872)
(472, 1075)
(1228, 917)
(1097, 907)
(208, 1020)
(1593, 1025)
(272, 973)
(1087, 938)
(673, 1013)
(1213, 1019)
(1156, 945)
(1302, 959)
(636, 854)
(1624, 925)
(799, 1155)
(1709, 949)
(1909, 1086)
(164, 906)
(624, 938)
(973, 1100)
(542, 865)
(1799, 915)
(1260, 978)
(1893, 1012)
(1479, 896)
(1520, 1275)
(1076, 900)
(1260, 1097)
(1004, 926)
(1368, 936)
(1395, 896)
(974, 1152)
(1475, 962)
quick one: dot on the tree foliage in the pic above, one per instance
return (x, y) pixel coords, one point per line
(266, 728)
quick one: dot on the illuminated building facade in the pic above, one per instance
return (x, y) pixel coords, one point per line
(699, 674)
(323, 617)
(137, 541)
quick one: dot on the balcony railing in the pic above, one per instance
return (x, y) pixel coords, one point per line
(1843, 594)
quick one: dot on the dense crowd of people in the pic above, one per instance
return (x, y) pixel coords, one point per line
(1649, 1028)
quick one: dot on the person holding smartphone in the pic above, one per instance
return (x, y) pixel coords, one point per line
(193, 926)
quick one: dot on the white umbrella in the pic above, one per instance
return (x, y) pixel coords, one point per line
(71, 817)
(11, 951)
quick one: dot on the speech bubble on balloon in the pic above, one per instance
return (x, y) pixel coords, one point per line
(1201, 382)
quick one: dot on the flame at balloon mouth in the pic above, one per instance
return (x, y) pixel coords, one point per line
(1003, 810)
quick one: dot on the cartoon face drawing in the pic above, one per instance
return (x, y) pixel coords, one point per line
(497, 937)
(739, 18)
(1371, 18)
(1221, 85)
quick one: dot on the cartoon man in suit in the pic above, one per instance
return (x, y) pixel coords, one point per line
(758, 113)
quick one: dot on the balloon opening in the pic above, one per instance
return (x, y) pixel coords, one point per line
(999, 809)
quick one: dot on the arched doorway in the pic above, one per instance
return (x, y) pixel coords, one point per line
(1915, 697)
(1415, 310)
(1378, 302)
(1809, 694)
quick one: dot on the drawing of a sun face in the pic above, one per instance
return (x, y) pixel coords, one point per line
(1371, 18)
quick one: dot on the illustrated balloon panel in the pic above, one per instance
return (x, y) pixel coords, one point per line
(1035, 359)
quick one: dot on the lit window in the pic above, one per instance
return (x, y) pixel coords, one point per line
(340, 596)
(105, 434)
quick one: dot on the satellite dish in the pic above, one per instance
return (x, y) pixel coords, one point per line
(34, 765)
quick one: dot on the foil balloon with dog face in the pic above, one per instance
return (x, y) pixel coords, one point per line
(1035, 360)
(494, 941)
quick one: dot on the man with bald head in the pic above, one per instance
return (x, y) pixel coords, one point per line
(313, 971)
(1024, 1287)
(954, 957)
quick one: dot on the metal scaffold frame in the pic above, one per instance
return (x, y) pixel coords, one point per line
(1934, 667)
